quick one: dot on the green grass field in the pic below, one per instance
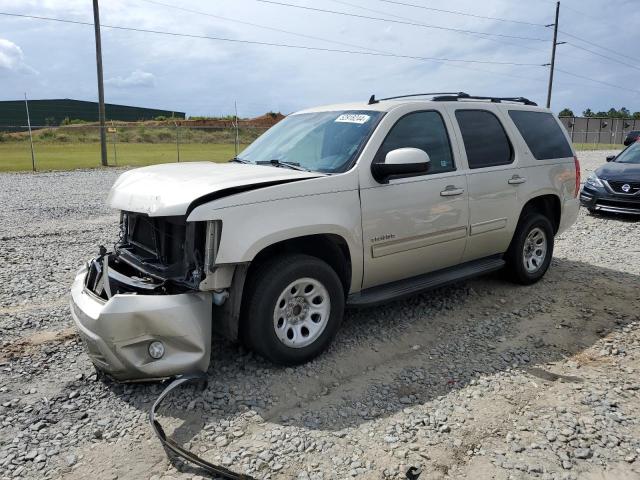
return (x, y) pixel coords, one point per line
(16, 156)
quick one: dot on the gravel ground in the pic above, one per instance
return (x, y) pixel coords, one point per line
(483, 379)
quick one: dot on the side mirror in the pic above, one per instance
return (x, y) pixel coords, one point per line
(402, 161)
(611, 158)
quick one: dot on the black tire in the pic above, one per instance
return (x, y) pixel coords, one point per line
(592, 211)
(515, 256)
(263, 290)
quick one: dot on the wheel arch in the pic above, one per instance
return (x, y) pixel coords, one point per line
(330, 248)
(547, 204)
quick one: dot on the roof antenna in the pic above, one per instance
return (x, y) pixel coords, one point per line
(372, 100)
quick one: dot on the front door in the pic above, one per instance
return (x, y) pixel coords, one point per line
(414, 224)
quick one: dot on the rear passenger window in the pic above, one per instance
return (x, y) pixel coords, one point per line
(542, 133)
(485, 140)
(423, 130)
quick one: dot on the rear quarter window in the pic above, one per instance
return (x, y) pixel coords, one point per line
(542, 134)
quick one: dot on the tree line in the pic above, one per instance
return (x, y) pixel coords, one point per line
(624, 112)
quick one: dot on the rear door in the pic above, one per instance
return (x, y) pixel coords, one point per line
(494, 177)
(414, 224)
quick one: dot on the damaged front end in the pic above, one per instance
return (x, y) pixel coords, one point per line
(140, 309)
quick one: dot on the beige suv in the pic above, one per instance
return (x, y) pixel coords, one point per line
(343, 205)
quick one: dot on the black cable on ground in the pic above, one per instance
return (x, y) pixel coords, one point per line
(171, 447)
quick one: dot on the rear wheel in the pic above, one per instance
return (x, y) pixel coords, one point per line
(293, 307)
(531, 249)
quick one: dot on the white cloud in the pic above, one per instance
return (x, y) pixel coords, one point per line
(12, 58)
(137, 78)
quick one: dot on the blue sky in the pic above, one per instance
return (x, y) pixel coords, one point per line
(204, 77)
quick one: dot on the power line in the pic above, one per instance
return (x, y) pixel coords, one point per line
(464, 67)
(466, 14)
(332, 41)
(505, 42)
(612, 85)
(257, 25)
(606, 57)
(269, 44)
(565, 6)
(588, 42)
(483, 37)
(402, 22)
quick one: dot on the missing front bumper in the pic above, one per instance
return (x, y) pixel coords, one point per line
(117, 332)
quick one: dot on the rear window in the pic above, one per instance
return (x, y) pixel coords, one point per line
(485, 141)
(543, 135)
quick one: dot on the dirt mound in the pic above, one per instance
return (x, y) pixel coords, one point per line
(26, 346)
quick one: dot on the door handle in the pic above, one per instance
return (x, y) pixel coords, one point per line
(516, 180)
(451, 191)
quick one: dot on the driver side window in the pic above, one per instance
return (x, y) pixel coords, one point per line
(423, 130)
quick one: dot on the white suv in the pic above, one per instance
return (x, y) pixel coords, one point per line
(334, 206)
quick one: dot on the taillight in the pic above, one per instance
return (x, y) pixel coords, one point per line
(577, 165)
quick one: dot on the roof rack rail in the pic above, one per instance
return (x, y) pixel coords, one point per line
(454, 97)
(373, 98)
(464, 96)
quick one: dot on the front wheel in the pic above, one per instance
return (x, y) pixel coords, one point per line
(293, 307)
(531, 249)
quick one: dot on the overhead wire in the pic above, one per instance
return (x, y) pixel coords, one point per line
(593, 44)
(402, 22)
(606, 57)
(612, 85)
(493, 72)
(370, 52)
(465, 14)
(257, 25)
(475, 35)
(270, 44)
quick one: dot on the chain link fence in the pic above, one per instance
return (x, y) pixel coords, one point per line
(78, 146)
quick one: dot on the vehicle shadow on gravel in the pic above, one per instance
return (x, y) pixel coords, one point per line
(407, 353)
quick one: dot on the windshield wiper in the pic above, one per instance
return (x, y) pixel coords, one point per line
(239, 160)
(279, 163)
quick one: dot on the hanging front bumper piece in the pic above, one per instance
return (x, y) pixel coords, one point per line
(141, 334)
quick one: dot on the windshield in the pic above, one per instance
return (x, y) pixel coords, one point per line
(630, 155)
(321, 141)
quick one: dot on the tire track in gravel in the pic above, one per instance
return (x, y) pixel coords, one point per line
(381, 362)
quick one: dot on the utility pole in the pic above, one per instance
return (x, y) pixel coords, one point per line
(177, 139)
(237, 140)
(553, 54)
(33, 156)
(101, 112)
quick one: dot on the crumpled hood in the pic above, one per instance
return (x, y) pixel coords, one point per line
(169, 189)
(624, 172)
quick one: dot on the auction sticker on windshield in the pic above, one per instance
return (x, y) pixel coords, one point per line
(353, 118)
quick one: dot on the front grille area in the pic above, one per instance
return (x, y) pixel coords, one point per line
(634, 187)
(163, 248)
(154, 239)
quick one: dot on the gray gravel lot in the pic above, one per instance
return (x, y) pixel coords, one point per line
(483, 379)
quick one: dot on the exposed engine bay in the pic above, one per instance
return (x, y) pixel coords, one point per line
(153, 256)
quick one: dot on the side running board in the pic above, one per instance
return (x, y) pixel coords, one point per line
(410, 286)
